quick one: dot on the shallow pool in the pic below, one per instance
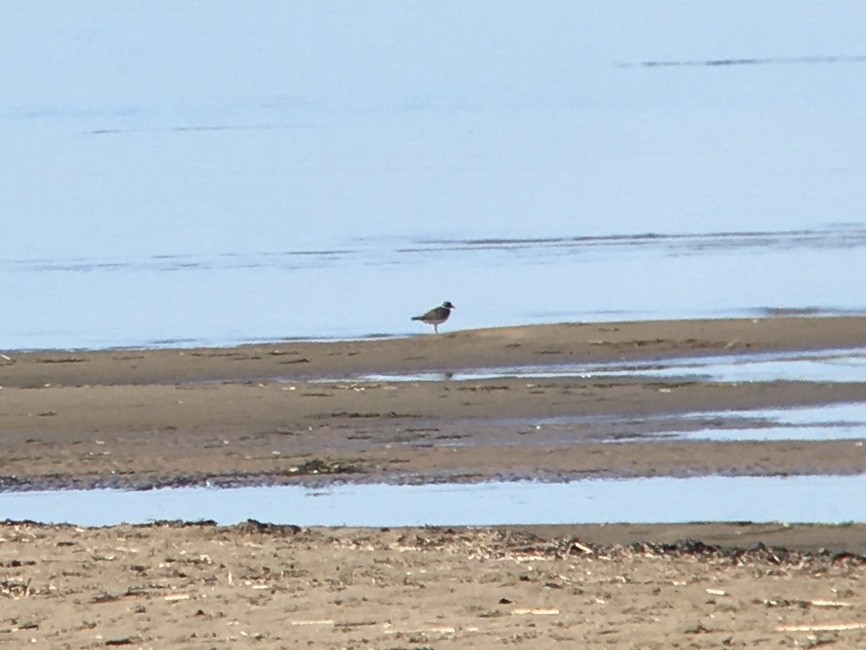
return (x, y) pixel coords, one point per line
(799, 365)
(817, 499)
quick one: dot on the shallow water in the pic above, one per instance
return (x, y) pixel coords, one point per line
(825, 422)
(810, 365)
(816, 499)
(167, 184)
(231, 298)
(811, 423)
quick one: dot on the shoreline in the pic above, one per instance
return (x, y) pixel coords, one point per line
(555, 464)
(506, 346)
(261, 414)
(269, 415)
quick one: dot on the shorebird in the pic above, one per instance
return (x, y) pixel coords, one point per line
(436, 316)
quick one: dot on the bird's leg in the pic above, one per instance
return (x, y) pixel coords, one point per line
(436, 328)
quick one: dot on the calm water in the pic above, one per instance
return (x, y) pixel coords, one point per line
(817, 499)
(812, 423)
(215, 172)
(798, 365)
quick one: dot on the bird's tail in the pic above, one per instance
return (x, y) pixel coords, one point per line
(417, 318)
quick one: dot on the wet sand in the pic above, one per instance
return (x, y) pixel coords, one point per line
(295, 412)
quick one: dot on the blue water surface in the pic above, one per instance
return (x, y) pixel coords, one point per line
(816, 499)
(214, 172)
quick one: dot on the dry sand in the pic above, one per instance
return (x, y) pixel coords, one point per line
(295, 412)
(171, 586)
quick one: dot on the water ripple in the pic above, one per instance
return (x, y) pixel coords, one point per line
(379, 253)
(772, 60)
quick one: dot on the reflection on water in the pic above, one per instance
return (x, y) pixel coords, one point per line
(847, 365)
(816, 499)
(825, 422)
(812, 423)
(808, 423)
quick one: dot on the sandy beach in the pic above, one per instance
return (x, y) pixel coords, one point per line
(308, 412)
(259, 586)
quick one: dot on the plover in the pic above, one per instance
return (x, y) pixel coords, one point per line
(436, 316)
